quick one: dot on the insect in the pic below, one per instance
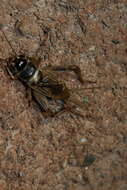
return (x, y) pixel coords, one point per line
(42, 84)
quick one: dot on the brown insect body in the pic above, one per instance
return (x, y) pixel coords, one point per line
(43, 84)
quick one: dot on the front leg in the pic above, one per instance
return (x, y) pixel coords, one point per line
(10, 74)
(6, 68)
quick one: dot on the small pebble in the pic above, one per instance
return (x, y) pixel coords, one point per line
(92, 48)
(83, 140)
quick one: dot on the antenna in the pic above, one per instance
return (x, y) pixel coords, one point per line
(9, 42)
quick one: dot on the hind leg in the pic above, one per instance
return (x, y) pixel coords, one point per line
(69, 109)
(66, 107)
(73, 68)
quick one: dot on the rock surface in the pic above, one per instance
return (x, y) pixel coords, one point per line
(50, 154)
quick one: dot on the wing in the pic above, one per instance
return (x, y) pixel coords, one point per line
(44, 85)
(41, 100)
(49, 77)
(43, 89)
(49, 86)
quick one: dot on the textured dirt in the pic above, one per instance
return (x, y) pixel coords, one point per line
(67, 152)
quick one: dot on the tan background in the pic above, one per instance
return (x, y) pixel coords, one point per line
(54, 154)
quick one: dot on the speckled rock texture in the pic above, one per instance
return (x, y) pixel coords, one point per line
(66, 152)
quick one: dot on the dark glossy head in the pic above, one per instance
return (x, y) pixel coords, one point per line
(18, 64)
(22, 68)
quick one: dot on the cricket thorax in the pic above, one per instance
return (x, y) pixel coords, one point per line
(35, 77)
(27, 73)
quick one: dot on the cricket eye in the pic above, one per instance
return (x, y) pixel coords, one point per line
(20, 64)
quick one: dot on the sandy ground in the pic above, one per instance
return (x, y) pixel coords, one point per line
(67, 152)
